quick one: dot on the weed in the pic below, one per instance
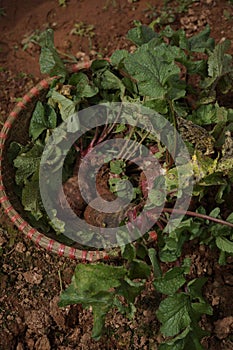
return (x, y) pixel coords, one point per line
(62, 3)
(84, 30)
(31, 38)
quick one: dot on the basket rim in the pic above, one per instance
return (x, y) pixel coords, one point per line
(39, 238)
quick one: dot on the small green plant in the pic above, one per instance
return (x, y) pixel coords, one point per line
(62, 3)
(84, 30)
(168, 12)
(179, 313)
(31, 38)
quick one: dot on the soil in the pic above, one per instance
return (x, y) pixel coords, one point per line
(31, 279)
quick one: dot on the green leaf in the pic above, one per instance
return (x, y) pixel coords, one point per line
(118, 57)
(152, 67)
(126, 309)
(84, 88)
(202, 308)
(42, 119)
(108, 277)
(14, 149)
(110, 81)
(130, 289)
(224, 244)
(92, 285)
(128, 252)
(201, 41)
(50, 61)
(176, 343)
(99, 313)
(141, 34)
(138, 269)
(117, 166)
(155, 263)
(219, 63)
(27, 163)
(209, 114)
(195, 287)
(230, 218)
(171, 281)
(159, 105)
(157, 195)
(173, 313)
(215, 212)
(66, 106)
(31, 196)
(73, 123)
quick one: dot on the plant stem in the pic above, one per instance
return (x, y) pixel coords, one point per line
(197, 215)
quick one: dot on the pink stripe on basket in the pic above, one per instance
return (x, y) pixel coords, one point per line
(3, 199)
(14, 114)
(15, 218)
(7, 125)
(61, 250)
(27, 98)
(84, 255)
(72, 253)
(44, 83)
(31, 232)
(50, 245)
(2, 188)
(35, 91)
(97, 255)
(39, 237)
(3, 135)
(7, 210)
(21, 105)
(91, 254)
(22, 226)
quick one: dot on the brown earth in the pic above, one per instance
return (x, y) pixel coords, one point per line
(30, 278)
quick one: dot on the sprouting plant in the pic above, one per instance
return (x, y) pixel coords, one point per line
(31, 38)
(84, 30)
(62, 3)
(168, 12)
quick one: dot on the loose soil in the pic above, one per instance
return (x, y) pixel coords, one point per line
(31, 279)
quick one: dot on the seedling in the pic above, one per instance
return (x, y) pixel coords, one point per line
(31, 38)
(84, 30)
(62, 3)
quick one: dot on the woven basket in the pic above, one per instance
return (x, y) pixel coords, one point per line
(16, 129)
